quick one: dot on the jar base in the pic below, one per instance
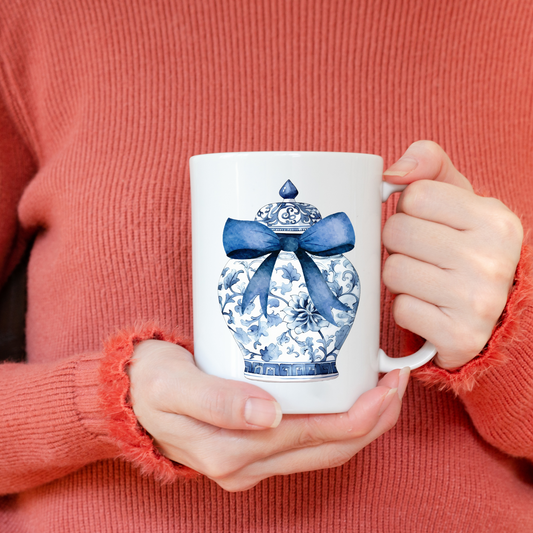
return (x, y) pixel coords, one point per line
(283, 372)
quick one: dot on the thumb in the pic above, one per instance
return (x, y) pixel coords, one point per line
(226, 403)
(425, 160)
(164, 376)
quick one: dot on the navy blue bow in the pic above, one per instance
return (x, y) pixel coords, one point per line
(333, 235)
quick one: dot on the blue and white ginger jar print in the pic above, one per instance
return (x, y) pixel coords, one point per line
(287, 294)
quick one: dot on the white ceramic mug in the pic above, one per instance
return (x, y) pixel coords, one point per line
(286, 274)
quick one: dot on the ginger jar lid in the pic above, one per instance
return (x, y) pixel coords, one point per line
(288, 216)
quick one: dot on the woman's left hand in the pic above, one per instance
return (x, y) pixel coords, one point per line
(453, 255)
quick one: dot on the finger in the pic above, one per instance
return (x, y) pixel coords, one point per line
(426, 241)
(425, 160)
(405, 275)
(327, 455)
(243, 448)
(457, 339)
(303, 431)
(294, 432)
(443, 203)
(226, 403)
(420, 317)
(184, 389)
(312, 430)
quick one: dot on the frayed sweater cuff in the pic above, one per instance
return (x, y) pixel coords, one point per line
(507, 331)
(135, 444)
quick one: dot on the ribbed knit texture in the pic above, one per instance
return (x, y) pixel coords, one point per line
(102, 104)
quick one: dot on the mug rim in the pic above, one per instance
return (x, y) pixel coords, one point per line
(229, 155)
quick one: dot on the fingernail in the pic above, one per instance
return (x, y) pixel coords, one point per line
(403, 381)
(402, 167)
(263, 413)
(387, 399)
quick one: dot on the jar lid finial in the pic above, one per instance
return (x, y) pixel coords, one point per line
(288, 190)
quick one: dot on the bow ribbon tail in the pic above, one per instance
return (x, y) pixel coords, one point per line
(321, 296)
(260, 284)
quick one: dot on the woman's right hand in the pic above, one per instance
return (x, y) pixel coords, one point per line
(233, 431)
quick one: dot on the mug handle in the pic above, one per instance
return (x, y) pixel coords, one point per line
(428, 351)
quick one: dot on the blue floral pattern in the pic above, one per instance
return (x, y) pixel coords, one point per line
(301, 315)
(293, 340)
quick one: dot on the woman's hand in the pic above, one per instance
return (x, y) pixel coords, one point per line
(233, 432)
(453, 255)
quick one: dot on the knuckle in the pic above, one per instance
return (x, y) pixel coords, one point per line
(481, 304)
(416, 193)
(219, 469)
(387, 234)
(309, 435)
(395, 262)
(305, 438)
(401, 310)
(490, 270)
(428, 146)
(426, 149)
(416, 196)
(217, 403)
(157, 389)
(503, 222)
(468, 343)
(394, 228)
(390, 270)
(496, 270)
(486, 300)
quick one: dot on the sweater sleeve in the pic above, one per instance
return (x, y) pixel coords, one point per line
(496, 387)
(57, 417)
(50, 423)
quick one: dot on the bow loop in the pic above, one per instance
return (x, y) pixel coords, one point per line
(332, 235)
(243, 239)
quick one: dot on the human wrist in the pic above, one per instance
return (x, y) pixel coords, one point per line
(134, 443)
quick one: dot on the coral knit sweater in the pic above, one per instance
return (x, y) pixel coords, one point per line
(102, 103)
